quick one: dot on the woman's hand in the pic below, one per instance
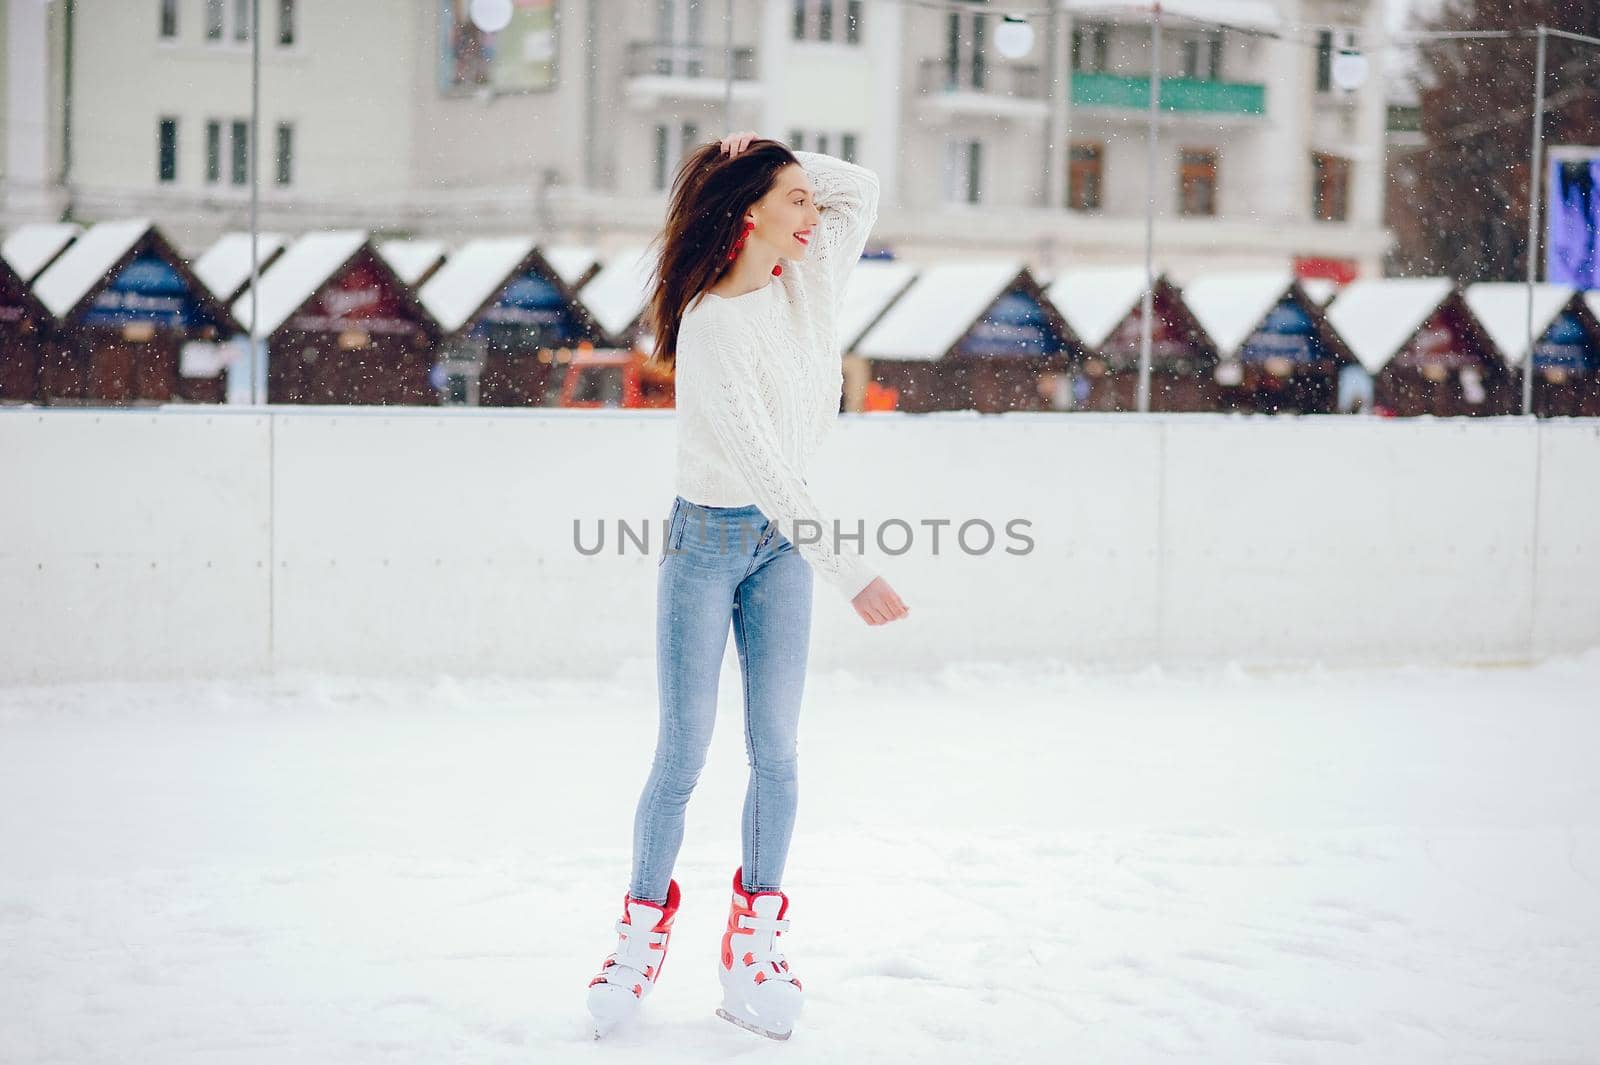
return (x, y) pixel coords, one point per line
(878, 604)
(734, 143)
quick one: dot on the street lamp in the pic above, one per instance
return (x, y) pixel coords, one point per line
(1349, 70)
(1014, 37)
(490, 16)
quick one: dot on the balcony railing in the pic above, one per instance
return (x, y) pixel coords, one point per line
(1181, 95)
(654, 59)
(1000, 78)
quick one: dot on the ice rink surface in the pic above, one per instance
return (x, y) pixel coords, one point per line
(991, 864)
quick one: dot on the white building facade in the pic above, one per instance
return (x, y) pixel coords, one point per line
(397, 116)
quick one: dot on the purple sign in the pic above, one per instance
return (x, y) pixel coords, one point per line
(1574, 223)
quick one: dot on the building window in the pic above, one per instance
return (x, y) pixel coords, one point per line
(169, 19)
(1202, 57)
(670, 154)
(963, 49)
(663, 152)
(1197, 181)
(227, 20)
(1330, 187)
(167, 151)
(213, 152)
(239, 173)
(963, 166)
(236, 134)
(820, 20)
(847, 147)
(285, 153)
(1089, 50)
(285, 22)
(1084, 176)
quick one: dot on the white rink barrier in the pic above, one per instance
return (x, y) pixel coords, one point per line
(200, 541)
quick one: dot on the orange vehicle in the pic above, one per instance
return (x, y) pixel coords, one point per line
(612, 377)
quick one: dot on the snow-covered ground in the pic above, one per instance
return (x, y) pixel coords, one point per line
(990, 865)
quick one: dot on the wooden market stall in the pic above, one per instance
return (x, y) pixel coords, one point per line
(23, 333)
(131, 323)
(1566, 353)
(1276, 352)
(1104, 307)
(510, 322)
(1426, 351)
(341, 327)
(974, 335)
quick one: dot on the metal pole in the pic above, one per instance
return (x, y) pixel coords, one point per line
(1145, 323)
(727, 59)
(1535, 181)
(1052, 173)
(255, 194)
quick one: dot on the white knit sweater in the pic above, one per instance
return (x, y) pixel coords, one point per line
(758, 380)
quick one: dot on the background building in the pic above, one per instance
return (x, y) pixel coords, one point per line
(398, 117)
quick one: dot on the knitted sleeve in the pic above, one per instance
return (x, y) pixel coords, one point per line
(847, 197)
(745, 432)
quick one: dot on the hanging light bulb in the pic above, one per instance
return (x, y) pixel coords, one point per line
(490, 16)
(1014, 37)
(1349, 70)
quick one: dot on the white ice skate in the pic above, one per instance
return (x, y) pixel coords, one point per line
(758, 990)
(631, 970)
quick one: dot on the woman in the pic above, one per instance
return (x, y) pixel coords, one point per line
(754, 255)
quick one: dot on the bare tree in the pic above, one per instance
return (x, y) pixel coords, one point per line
(1459, 204)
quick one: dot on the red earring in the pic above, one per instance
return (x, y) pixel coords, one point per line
(738, 245)
(776, 270)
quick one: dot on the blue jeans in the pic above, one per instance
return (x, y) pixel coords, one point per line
(723, 566)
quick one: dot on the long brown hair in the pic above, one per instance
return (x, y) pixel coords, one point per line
(705, 216)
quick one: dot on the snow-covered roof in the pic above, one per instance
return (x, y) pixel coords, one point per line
(616, 296)
(1592, 301)
(1255, 14)
(937, 310)
(296, 276)
(1095, 300)
(85, 263)
(224, 268)
(1502, 307)
(1376, 317)
(30, 248)
(412, 259)
(569, 261)
(470, 277)
(1229, 307)
(1320, 289)
(873, 285)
